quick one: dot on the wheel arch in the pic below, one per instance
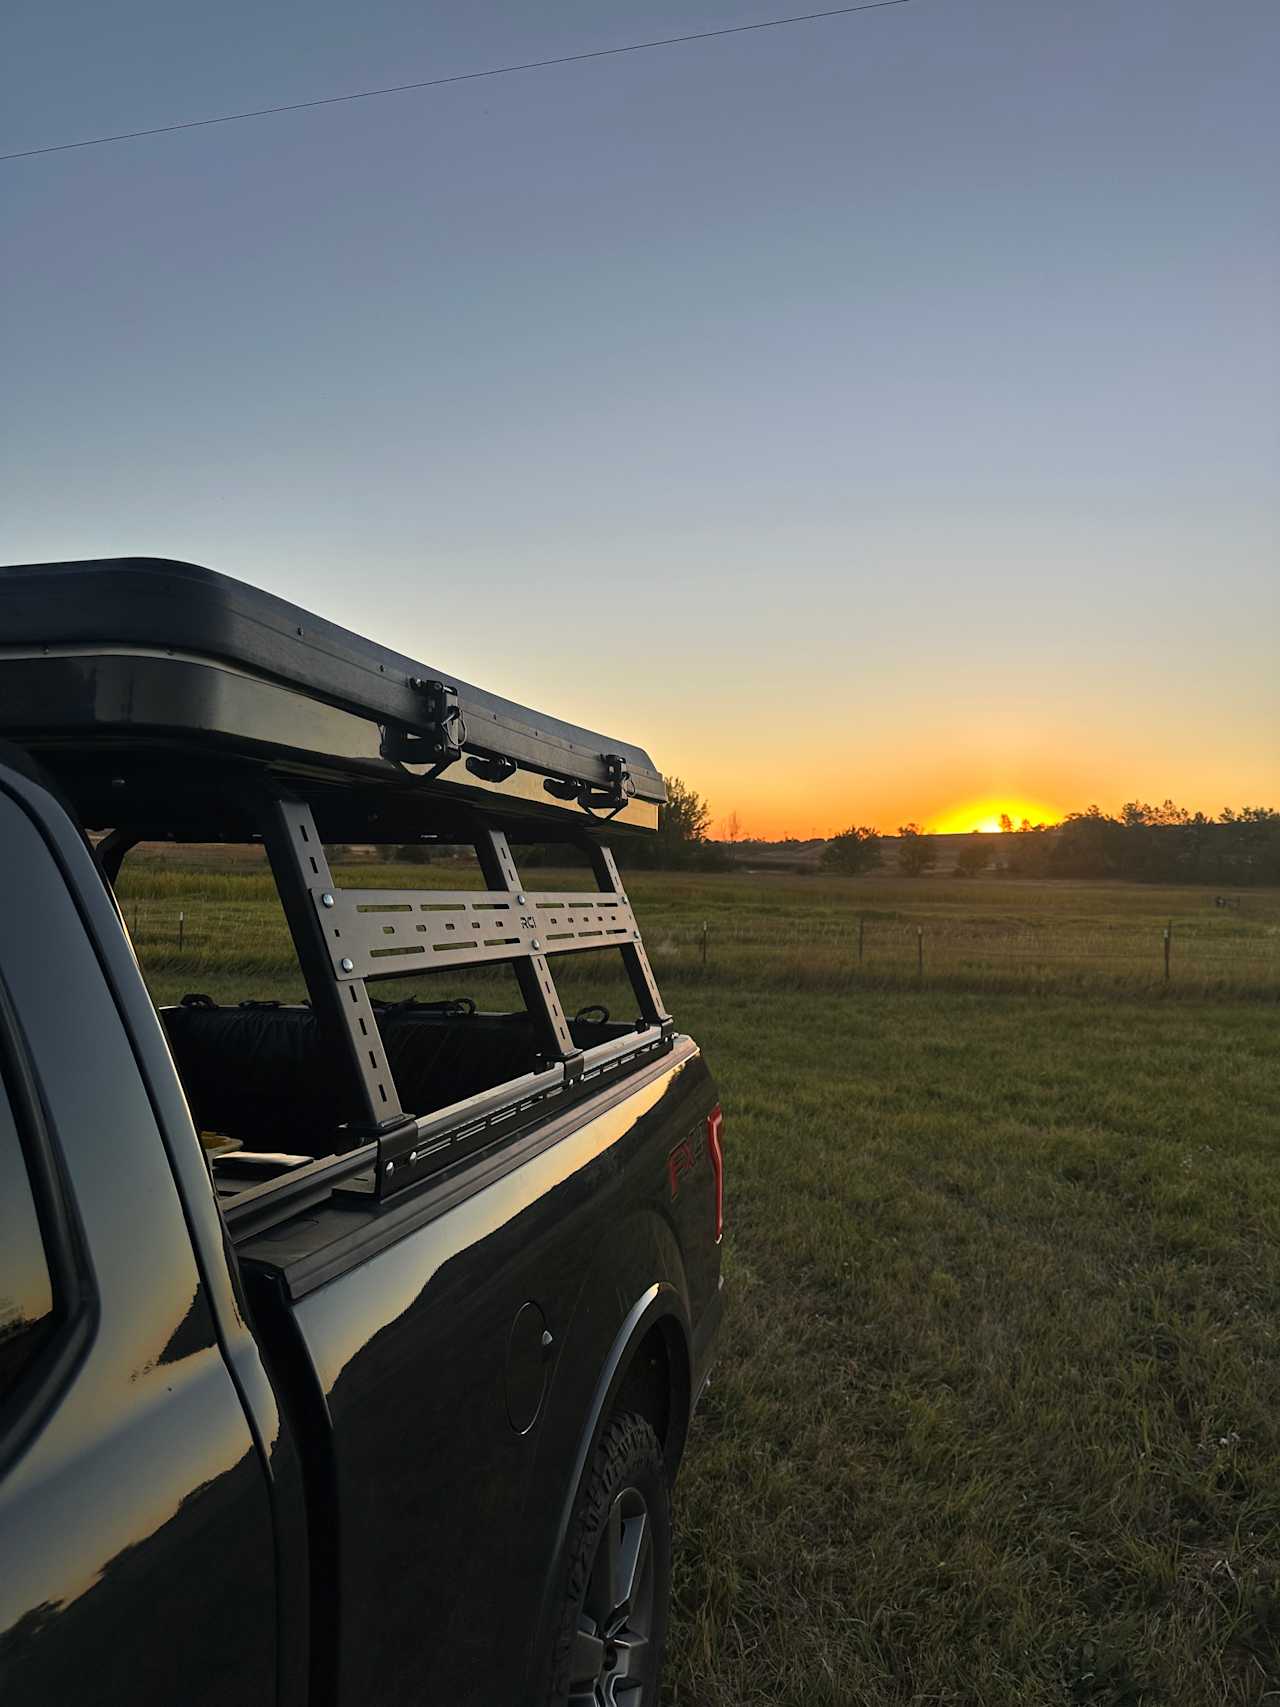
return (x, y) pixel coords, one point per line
(653, 1344)
(656, 1384)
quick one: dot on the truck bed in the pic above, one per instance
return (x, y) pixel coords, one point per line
(394, 1333)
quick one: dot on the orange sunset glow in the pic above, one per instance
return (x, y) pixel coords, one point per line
(909, 767)
(982, 731)
(843, 476)
(985, 815)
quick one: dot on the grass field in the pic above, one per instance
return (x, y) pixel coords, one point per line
(997, 1419)
(821, 934)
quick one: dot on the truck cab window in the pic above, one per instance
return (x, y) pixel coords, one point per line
(26, 1286)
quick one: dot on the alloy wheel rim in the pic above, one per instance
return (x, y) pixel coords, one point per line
(613, 1646)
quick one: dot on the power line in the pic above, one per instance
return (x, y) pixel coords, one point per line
(457, 77)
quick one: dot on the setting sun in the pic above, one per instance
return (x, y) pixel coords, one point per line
(985, 815)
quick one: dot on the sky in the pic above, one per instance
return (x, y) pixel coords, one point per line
(878, 419)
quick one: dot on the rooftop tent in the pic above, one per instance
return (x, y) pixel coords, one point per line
(172, 702)
(138, 680)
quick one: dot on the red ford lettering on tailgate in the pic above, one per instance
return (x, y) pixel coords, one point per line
(679, 1163)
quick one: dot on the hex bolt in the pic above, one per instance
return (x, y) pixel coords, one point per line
(519, 900)
(326, 900)
(536, 943)
(347, 965)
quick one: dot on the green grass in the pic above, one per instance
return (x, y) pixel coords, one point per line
(997, 1415)
(823, 935)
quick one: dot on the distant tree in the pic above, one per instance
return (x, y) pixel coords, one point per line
(974, 856)
(404, 853)
(1090, 844)
(681, 840)
(733, 828)
(1137, 814)
(1028, 850)
(1146, 843)
(853, 851)
(686, 815)
(1253, 834)
(1006, 824)
(915, 853)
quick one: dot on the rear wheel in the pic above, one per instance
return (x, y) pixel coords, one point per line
(614, 1618)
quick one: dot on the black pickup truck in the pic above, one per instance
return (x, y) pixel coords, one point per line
(348, 1348)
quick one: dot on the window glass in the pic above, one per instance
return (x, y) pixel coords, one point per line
(26, 1289)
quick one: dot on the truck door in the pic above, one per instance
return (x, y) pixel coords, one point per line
(136, 1548)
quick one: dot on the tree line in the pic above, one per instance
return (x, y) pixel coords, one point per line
(1153, 844)
(1141, 843)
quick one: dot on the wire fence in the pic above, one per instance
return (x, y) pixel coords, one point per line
(1166, 951)
(222, 935)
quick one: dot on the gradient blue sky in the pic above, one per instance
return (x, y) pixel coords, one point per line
(873, 417)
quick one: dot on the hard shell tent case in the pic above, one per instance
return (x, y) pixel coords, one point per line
(158, 660)
(118, 673)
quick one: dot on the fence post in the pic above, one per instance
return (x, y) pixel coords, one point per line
(182, 919)
(704, 944)
(919, 951)
(861, 927)
(1168, 939)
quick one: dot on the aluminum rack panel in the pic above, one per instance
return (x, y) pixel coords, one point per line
(381, 932)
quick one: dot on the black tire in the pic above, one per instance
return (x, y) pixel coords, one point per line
(613, 1620)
